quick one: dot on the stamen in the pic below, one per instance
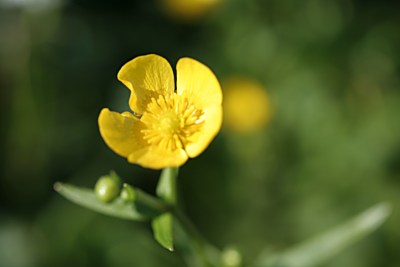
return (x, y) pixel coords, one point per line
(171, 120)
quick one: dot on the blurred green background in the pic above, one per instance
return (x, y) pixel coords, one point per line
(331, 150)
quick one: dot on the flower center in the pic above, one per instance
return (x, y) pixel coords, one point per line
(169, 123)
(171, 120)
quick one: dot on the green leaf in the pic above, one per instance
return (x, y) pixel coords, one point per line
(86, 197)
(163, 224)
(318, 250)
(163, 228)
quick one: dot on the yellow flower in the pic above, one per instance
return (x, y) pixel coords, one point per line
(189, 10)
(167, 126)
(246, 105)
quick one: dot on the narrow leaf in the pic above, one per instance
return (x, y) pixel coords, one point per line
(162, 227)
(325, 246)
(86, 197)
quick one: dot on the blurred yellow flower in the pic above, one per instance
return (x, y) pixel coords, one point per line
(167, 126)
(246, 105)
(189, 10)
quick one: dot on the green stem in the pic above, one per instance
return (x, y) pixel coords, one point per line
(206, 254)
(189, 227)
(196, 251)
(166, 188)
(147, 200)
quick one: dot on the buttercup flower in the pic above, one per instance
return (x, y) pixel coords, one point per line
(167, 126)
(247, 106)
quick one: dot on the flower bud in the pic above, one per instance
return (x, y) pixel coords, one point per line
(128, 193)
(107, 188)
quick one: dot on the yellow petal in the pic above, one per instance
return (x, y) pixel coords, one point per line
(121, 132)
(197, 143)
(198, 83)
(157, 158)
(147, 77)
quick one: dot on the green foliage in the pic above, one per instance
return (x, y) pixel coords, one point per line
(142, 207)
(87, 198)
(163, 230)
(323, 247)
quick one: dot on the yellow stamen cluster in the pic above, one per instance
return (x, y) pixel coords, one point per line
(170, 121)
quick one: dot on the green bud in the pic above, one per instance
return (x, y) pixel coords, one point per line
(107, 188)
(128, 193)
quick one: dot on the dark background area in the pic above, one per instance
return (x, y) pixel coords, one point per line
(331, 150)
